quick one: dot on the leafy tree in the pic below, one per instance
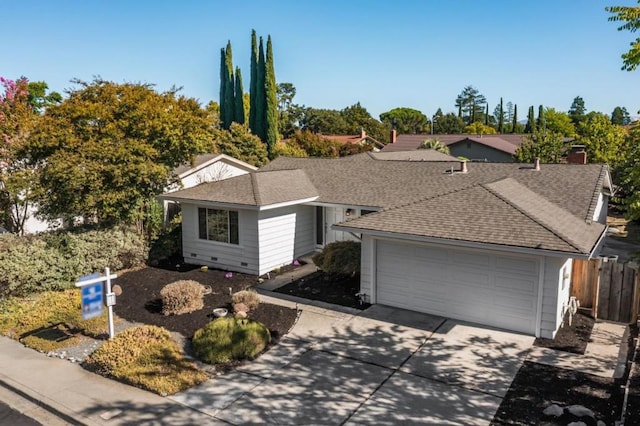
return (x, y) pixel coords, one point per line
(290, 149)
(326, 121)
(531, 122)
(315, 145)
(627, 175)
(620, 116)
(631, 16)
(559, 122)
(38, 97)
(448, 124)
(577, 110)
(352, 149)
(469, 103)
(238, 115)
(479, 129)
(358, 118)
(548, 146)
(271, 102)
(239, 143)
(18, 116)
(253, 85)
(605, 142)
(435, 145)
(109, 147)
(406, 120)
(289, 113)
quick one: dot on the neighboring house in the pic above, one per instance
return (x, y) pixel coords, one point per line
(490, 243)
(492, 148)
(204, 168)
(362, 139)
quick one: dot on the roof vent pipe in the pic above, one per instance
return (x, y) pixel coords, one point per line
(463, 167)
(536, 165)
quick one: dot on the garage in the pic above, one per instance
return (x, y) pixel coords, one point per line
(481, 286)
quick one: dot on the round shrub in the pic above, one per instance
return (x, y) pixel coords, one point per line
(228, 339)
(249, 298)
(339, 258)
(182, 297)
(148, 358)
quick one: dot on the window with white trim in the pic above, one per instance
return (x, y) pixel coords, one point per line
(218, 225)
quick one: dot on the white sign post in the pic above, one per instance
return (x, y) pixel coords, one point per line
(89, 308)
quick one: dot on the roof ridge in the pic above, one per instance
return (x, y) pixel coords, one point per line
(256, 190)
(564, 238)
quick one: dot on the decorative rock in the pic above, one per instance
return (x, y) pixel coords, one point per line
(581, 411)
(601, 423)
(577, 424)
(553, 410)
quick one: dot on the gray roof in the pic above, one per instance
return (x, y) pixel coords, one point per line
(252, 189)
(497, 203)
(419, 155)
(507, 143)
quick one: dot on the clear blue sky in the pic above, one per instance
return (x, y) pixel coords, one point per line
(384, 54)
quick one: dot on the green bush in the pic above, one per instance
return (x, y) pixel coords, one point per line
(168, 243)
(182, 297)
(339, 258)
(227, 339)
(249, 298)
(146, 357)
(54, 261)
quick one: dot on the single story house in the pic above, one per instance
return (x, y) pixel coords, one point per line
(490, 243)
(362, 139)
(493, 148)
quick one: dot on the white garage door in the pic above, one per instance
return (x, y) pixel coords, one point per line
(477, 286)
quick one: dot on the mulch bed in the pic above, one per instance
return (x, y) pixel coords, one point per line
(326, 288)
(571, 338)
(140, 300)
(537, 386)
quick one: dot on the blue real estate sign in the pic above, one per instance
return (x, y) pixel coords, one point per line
(91, 297)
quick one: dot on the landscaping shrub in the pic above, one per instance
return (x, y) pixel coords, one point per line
(339, 258)
(54, 261)
(182, 297)
(227, 339)
(249, 298)
(48, 321)
(146, 357)
(167, 244)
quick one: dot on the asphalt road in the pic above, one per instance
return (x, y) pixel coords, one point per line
(9, 416)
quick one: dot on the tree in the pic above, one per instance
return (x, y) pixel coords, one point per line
(620, 116)
(500, 116)
(289, 113)
(435, 145)
(326, 121)
(18, 117)
(315, 145)
(486, 115)
(470, 104)
(478, 128)
(559, 122)
(109, 147)
(406, 120)
(271, 102)
(38, 97)
(239, 98)
(631, 16)
(627, 176)
(514, 123)
(531, 122)
(577, 110)
(227, 95)
(541, 122)
(548, 147)
(605, 142)
(260, 129)
(448, 124)
(239, 143)
(253, 85)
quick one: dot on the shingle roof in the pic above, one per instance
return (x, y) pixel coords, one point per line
(419, 155)
(252, 189)
(504, 143)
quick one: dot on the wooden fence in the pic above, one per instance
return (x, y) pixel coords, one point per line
(610, 289)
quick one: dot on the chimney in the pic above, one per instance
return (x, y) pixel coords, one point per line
(536, 164)
(463, 167)
(577, 155)
(363, 134)
(394, 136)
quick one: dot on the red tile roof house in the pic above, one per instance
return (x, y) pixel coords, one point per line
(361, 139)
(494, 148)
(490, 243)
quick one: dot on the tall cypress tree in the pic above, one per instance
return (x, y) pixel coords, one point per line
(239, 98)
(486, 115)
(514, 125)
(501, 118)
(260, 95)
(253, 85)
(540, 122)
(531, 122)
(229, 100)
(271, 102)
(223, 86)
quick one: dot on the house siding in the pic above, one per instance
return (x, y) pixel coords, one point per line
(367, 268)
(335, 215)
(600, 213)
(242, 257)
(555, 294)
(213, 172)
(285, 233)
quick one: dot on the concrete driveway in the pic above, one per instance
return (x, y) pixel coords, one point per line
(381, 366)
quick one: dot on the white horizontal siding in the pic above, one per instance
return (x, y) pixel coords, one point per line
(305, 231)
(242, 257)
(213, 172)
(367, 268)
(278, 235)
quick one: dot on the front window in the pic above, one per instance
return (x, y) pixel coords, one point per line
(218, 225)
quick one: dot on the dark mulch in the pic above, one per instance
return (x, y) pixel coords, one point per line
(632, 415)
(537, 386)
(571, 338)
(140, 300)
(326, 288)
